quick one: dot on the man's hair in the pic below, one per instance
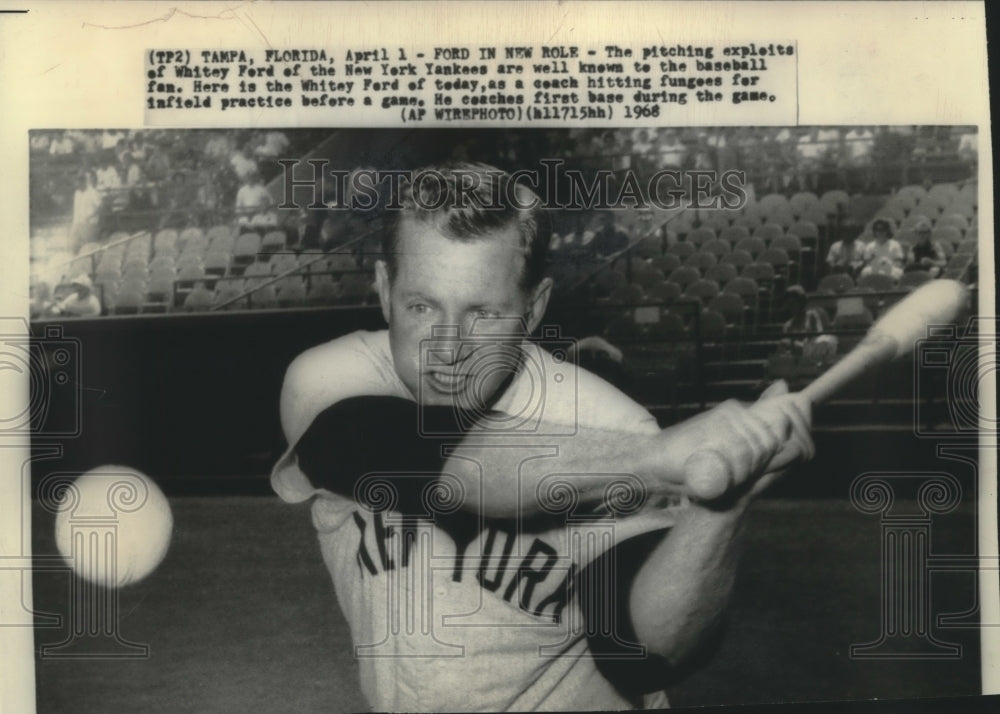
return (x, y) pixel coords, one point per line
(470, 201)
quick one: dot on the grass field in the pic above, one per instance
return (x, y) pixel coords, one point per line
(241, 616)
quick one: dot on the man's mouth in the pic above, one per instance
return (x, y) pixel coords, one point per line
(447, 382)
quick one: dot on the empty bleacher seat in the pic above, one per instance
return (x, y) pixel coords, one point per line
(702, 289)
(753, 245)
(682, 249)
(701, 261)
(718, 247)
(684, 276)
(879, 282)
(913, 278)
(722, 273)
(665, 292)
(835, 283)
(738, 258)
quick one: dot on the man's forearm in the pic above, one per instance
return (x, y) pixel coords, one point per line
(680, 593)
(509, 476)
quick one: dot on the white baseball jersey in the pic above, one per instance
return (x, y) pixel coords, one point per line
(468, 613)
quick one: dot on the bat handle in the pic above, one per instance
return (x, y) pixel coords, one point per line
(873, 350)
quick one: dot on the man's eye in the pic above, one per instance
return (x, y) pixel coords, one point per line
(419, 308)
(484, 313)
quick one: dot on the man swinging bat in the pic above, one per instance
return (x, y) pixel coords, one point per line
(504, 530)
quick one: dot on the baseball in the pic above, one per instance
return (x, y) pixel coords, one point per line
(113, 526)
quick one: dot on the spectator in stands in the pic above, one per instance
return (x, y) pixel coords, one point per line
(273, 145)
(671, 150)
(609, 239)
(253, 202)
(61, 145)
(813, 345)
(846, 256)
(243, 163)
(110, 139)
(108, 177)
(884, 254)
(86, 211)
(926, 254)
(81, 302)
(41, 297)
(158, 164)
(40, 141)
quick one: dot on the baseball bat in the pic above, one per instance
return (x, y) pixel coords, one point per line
(893, 335)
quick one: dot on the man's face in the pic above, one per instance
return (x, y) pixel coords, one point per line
(456, 312)
(924, 236)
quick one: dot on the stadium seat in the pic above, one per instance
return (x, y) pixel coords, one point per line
(722, 273)
(650, 247)
(834, 202)
(263, 297)
(777, 258)
(711, 324)
(758, 271)
(945, 191)
(165, 241)
(969, 246)
(835, 283)
(666, 263)
(913, 219)
(753, 245)
(669, 327)
(768, 232)
(220, 231)
(644, 276)
(913, 278)
(701, 235)
(187, 275)
(284, 262)
(682, 249)
(354, 288)
(702, 289)
(701, 260)
(716, 219)
(947, 234)
(734, 234)
(627, 294)
(916, 191)
(745, 287)
(128, 301)
(216, 264)
(879, 282)
(718, 247)
(730, 306)
(191, 234)
(291, 290)
(623, 329)
(748, 222)
(738, 258)
(805, 230)
(200, 298)
(684, 276)
(801, 202)
(226, 291)
(160, 288)
(273, 242)
(322, 290)
(247, 249)
(161, 264)
(664, 293)
(905, 237)
(773, 202)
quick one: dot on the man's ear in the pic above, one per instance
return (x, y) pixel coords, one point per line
(382, 286)
(539, 302)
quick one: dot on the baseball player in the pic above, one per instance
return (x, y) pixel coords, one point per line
(504, 530)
